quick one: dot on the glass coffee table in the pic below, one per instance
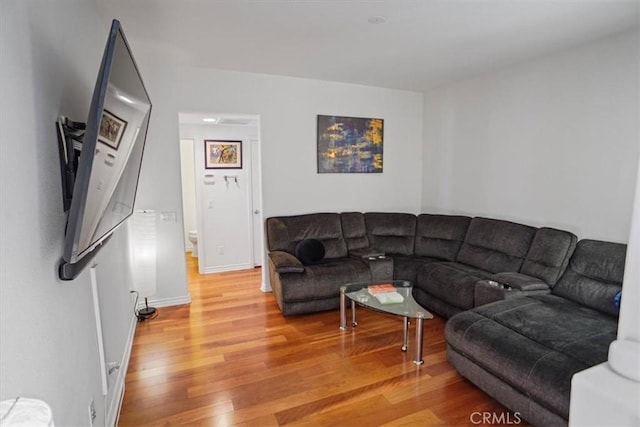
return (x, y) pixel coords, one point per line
(359, 294)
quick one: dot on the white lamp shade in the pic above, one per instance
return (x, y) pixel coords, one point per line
(142, 227)
(23, 412)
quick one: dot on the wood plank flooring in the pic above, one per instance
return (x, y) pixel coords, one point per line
(231, 358)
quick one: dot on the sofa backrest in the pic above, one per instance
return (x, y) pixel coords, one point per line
(354, 230)
(440, 236)
(594, 275)
(284, 233)
(496, 245)
(549, 254)
(392, 233)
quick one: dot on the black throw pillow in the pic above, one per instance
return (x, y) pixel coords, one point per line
(310, 251)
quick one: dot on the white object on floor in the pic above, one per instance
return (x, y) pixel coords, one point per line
(601, 397)
(23, 412)
(624, 358)
(193, 238)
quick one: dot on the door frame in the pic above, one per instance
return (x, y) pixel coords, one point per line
(254, 201)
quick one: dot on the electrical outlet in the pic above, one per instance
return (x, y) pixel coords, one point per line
(221, 250)
(113, 367)
(92, 412)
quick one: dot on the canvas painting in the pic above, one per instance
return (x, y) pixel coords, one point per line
(349, 144)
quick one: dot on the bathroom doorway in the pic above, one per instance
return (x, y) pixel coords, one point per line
(187, 173)
(222, 201)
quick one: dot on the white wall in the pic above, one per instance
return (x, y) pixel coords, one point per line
(225, 220)
(609, 393)
(51, 52)
(287, 108)
(550, 142)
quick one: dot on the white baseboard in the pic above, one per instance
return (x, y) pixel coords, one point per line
(230, 267)
(166, 302)
(265, 287)
(113, 412)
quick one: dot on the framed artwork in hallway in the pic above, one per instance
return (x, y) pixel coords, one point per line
(220, 154)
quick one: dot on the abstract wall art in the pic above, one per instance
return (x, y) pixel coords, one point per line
(350, 144)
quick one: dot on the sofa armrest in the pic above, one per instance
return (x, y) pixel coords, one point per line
(284, 262)
(367, 253)
(519, 281)
(506, 286)
(380, 267)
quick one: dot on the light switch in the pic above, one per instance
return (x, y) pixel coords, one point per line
(168, 217)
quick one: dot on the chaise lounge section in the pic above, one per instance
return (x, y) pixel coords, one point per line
(524, 351)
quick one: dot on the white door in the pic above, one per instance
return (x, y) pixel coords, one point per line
(256, 203)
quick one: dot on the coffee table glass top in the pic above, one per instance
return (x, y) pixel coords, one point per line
(360, 294)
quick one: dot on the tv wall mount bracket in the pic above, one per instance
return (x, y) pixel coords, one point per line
(70, 136)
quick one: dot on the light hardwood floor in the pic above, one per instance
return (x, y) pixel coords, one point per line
(231, 358)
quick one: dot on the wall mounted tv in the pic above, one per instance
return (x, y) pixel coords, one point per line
(100, 160)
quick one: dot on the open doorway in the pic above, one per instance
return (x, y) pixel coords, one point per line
(222, 194)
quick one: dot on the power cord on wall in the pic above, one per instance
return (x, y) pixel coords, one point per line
(146, 313)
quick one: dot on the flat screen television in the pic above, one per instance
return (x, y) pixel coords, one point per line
(104, 163)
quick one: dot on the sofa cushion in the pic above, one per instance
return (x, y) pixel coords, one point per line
(549, 254)
(323, 280)
(440, 236)
(392, 233)
(354, 230)
(495, 245)
(535, 344)
(433, 304)
(594, 275)
(407, 267)
(451, 282)
(310, 251)
(284, 233)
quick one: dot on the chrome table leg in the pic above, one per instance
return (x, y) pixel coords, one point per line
(419, 324)
(353, 314)
(343, 310)
(405, 342)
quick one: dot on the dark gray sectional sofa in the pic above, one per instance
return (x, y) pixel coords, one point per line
(445, 256)
(528, 307)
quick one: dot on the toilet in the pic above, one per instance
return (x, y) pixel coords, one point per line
(193, 238)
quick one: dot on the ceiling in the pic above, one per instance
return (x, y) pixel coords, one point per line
(420, 45)
(213, 119)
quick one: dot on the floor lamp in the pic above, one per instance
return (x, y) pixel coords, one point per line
(143, 244)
